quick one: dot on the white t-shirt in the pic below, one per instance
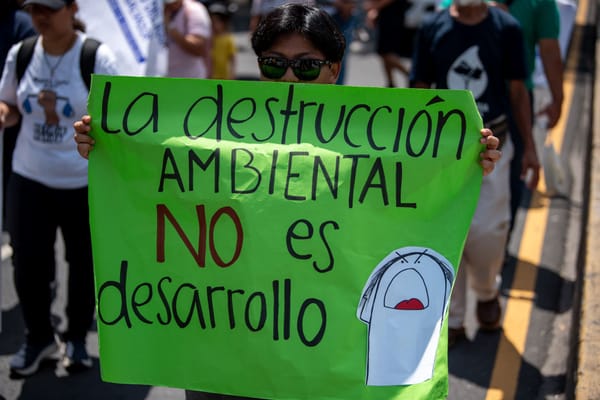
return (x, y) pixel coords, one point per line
(51, 96)
(192, 18)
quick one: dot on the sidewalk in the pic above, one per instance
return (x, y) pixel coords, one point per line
(588, 363)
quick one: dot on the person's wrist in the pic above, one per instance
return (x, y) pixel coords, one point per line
(3, 113)
(532, 156)
(528, 145)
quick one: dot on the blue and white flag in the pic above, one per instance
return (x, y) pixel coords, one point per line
(134, 31)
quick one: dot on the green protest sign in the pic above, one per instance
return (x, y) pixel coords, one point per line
(276, 240)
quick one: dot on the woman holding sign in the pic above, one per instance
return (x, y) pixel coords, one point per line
(294, 43)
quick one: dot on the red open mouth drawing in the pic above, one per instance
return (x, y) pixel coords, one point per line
(410, 304)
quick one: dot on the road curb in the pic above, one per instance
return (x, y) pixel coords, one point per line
(587, 382)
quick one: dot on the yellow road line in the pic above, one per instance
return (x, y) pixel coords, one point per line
(504, 380)
(505, 374)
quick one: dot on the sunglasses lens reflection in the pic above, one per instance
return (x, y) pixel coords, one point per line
(275, 68)
(307, 70)
(272, 71)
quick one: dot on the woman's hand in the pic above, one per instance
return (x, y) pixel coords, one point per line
(9, 115)
(2, 118)
(491, 155)
(85, 143)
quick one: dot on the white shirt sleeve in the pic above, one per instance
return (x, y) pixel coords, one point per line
(198, 20)
(106, 62)
(8, 83)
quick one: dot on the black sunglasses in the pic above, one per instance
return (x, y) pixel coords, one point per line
(305, 69)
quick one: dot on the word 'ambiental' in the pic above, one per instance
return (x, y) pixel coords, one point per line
(285, 174)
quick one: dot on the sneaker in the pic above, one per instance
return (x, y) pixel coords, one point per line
(456, 335)
(27, 360)
(75, 356)
(488, 314)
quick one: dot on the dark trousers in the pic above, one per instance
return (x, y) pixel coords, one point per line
(35, 211)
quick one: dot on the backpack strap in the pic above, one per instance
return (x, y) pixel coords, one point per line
(87, 59)
(24, 56)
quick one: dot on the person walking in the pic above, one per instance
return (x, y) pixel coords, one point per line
(480, 48)
(394, 39)
(188, 29)
(48, 187)
(540, 22)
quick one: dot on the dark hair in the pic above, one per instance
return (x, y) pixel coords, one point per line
(78, 24)
(312, 23)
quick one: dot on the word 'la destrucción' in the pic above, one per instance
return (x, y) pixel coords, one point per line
(360, 126)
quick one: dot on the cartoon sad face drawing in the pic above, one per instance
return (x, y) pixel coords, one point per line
(403, 303)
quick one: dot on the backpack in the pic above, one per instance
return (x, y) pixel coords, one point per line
(87, 58)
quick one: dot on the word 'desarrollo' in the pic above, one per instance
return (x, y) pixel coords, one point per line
(186, 305)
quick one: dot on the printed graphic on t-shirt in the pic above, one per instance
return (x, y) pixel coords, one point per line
(468, 72)
(50, 131)
(403, 302)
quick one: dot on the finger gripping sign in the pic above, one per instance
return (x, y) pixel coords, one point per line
(277, 240)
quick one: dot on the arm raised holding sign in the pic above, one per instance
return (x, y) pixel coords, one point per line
(45, 85)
